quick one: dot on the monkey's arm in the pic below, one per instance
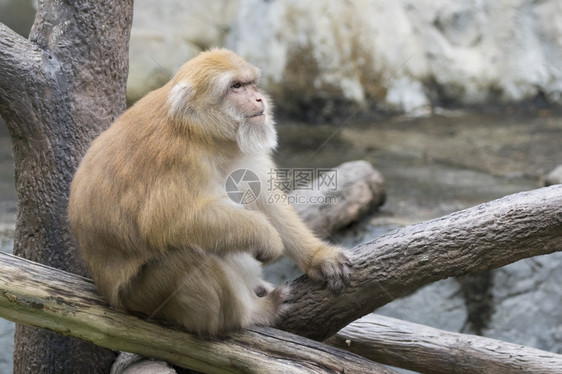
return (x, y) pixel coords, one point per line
(223, 227)
(320, 261)
(213, 225)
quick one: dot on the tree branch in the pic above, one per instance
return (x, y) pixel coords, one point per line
(429, 350)
(484, 237)
(35, 294)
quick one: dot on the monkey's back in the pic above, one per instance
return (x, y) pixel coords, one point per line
(127, 191)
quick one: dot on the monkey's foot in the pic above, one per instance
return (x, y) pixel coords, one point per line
(263, 289)
(272, 306)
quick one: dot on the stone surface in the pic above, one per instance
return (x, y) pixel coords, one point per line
(527, 301)
(328, 59)
(324, 59)
(166, 34)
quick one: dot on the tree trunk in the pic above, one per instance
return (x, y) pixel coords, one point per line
(59, 90)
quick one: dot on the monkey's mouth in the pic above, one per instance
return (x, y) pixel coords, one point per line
(256, 115)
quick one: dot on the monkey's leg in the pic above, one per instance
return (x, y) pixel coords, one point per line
(206, 294)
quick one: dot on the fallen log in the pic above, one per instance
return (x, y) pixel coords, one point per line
(429, 350)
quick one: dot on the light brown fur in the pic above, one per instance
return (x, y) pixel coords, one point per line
(150, 212)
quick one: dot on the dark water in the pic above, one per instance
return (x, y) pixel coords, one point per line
(434, 166)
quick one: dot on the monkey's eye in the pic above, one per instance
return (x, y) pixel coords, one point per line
(236, 85)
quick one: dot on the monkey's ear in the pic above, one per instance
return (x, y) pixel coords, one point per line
(179, 99)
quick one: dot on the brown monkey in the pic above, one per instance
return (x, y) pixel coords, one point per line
(149, 209)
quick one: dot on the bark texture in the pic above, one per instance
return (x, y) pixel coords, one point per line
(58, 90)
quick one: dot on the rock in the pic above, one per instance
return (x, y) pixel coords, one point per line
(6, 346)
(527, 299)
(168, 33)
(326, 59)
(405, 53)
(438, 305)
(554, 177)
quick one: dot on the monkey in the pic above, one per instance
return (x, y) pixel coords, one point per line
(149, 211)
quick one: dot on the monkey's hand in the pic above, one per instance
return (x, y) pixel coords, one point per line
(331, 265)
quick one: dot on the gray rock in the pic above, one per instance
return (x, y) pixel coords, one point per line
(339, 56)
(166, 34)
(438, 305)
(527, 303)
(473, 51)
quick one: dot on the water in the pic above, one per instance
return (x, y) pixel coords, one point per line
(435, 166)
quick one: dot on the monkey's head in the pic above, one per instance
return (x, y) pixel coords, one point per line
(216, 95)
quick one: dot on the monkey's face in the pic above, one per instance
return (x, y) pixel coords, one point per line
(245, 99)
(250, 111)
(217, 94)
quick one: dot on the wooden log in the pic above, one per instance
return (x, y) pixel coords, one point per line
(37, 295)
(429, 350)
